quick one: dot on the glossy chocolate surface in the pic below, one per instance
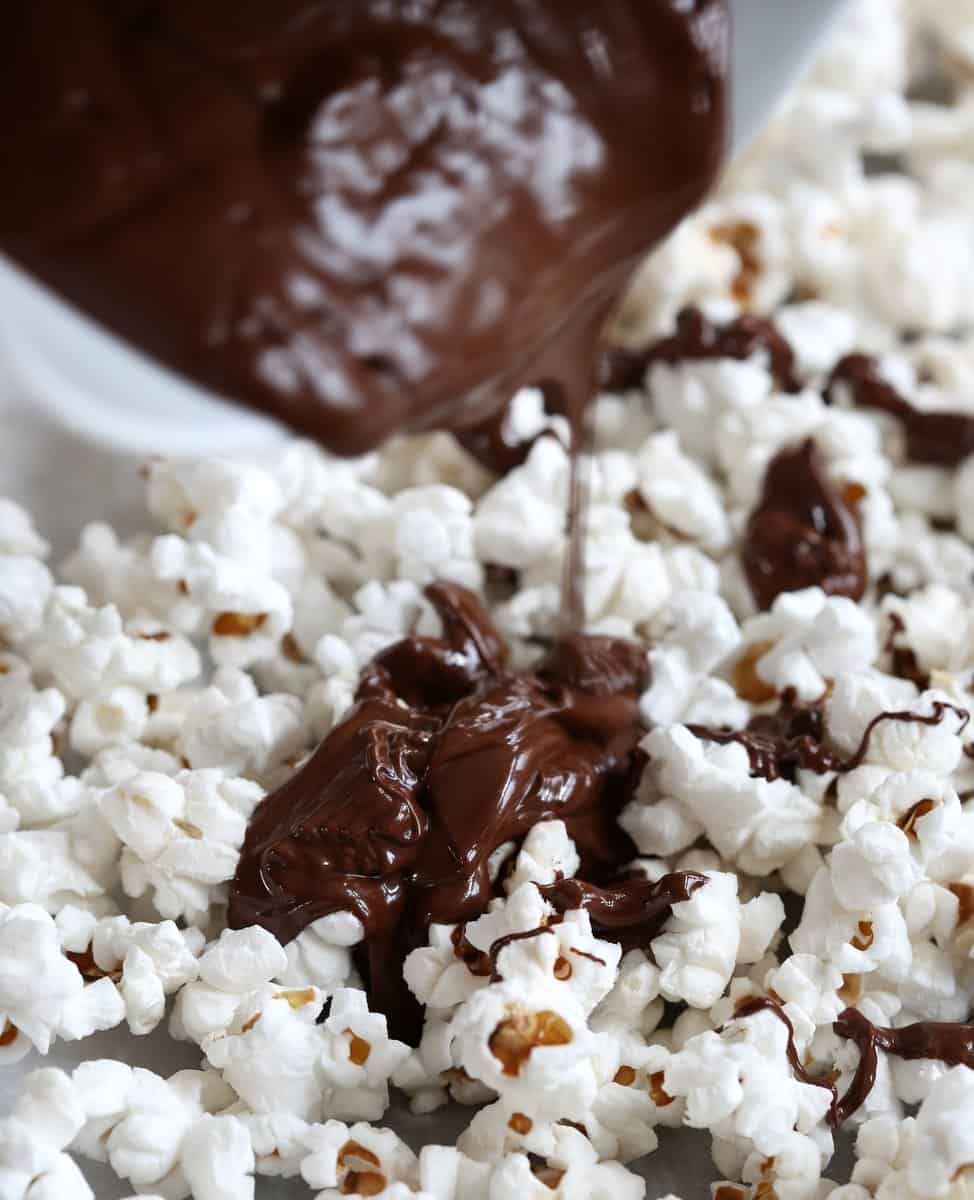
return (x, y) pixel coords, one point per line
(802, 532)
(446, 756)
(358, 217)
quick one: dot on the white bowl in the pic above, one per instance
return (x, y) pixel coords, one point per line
(102, 389)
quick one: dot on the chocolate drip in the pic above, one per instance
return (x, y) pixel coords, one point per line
(445, 756)
(802, 533)
(766, 1004)
(949, 1042)
(942, 438)
(359, 217)
(780, 743)
(697, 338)
(629, 911)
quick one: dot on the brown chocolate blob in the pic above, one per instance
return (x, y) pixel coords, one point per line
(949, 1042)
(695, 338)
(446, 756)
(942, 438)
(358, 217)
(802, 533)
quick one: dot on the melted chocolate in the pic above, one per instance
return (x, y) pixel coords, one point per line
(779, 743)
(766, 1004)
(446, 756)
(951, 1043)
(698, 338)
(629, 911)
(942, 438)
(358, 217)
(802, 533)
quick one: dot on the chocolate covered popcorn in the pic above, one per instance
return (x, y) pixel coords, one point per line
(306, 775)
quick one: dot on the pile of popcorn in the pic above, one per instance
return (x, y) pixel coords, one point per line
(153, 690)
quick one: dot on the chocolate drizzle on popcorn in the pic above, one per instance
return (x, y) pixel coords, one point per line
(697, 338)
(447, 756)
(941, 438)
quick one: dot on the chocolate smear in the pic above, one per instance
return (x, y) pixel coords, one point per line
(941, 438)
(447, 755)
(802, 533)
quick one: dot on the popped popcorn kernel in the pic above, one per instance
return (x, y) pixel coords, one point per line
(521, 1031)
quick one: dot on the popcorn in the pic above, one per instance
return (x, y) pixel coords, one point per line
(698, 632)
(809, 639)
(33, 1138)
(755, 824)
(181, 836)
(697, 949)
(25, 585)
(152, 1130)
(246, 613)
(930, 1153)
(357, 1058)
(228, 725)
(679, 493)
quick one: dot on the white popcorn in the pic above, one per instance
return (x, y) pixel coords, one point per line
(47, 866)
(679, 493)
(17, 532)
(25, 586)
(321, 954)
(697, 949)
(698, 633)
(269, 1052)
(936, 1147)
(338, 1155)
(522, 518)
(141, 1123)
(228, 725)
(357, 1058)
(434, 534)
(246, 613)
(756, 824)
(812, 638)
(44, 1120)
(218, 1160)
(181, 836)
(546, 854)
(84, 648)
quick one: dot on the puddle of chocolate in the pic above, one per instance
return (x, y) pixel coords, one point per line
(941, 438)
(446, 756)
(802, 533)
